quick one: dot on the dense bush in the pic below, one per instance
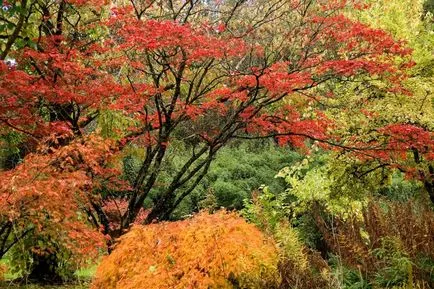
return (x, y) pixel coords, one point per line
(242, 168)
(207, 251)
(12, 148)
(391, 245)
(237, 171)
(44, 232)
(299, 266)
(338, 231)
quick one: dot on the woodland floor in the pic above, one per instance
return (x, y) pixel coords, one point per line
(82, 281)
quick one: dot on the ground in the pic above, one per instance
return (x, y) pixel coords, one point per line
(83, 276)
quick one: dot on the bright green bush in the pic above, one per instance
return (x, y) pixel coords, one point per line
(237, 170)
(242, 168)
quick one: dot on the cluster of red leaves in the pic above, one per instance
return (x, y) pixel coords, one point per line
(63, 74)
(359, 49)
(403, 146)
(207, 251)
(60, 74)
(289, 126)
(14, 108)
(152, 35)
(94, 3)
(405, 137)
(46, 194)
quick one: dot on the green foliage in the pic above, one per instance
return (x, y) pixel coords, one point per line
(112, 124)
(307, 230)
(400, 189)
(237, 170)
(399, 265)
(346, 277)
(31, 255)
(322, 179)
(242, 168)
(403, 19)
(266, 210)
(299, 266)
(428, 6)
(368, 255)
(131, 163)
(342, 186)
(10, 149)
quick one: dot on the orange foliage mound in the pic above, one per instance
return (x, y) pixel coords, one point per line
(207, 251)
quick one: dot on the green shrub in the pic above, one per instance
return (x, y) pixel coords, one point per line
(237, 171)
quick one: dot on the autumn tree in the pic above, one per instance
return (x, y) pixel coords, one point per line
(42, 206)
(392, 130)
(210, 82)
(50, 84)
(43, 199)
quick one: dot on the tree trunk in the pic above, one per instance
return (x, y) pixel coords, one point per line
(46, 269)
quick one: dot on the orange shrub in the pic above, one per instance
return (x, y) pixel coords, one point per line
(207, 251)
(3, 270)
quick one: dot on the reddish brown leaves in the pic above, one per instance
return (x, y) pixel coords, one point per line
(48, 192)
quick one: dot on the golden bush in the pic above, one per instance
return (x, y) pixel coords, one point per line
(208, 251)
(3, 271)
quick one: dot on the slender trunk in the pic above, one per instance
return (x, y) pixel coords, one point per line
(429, 184)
